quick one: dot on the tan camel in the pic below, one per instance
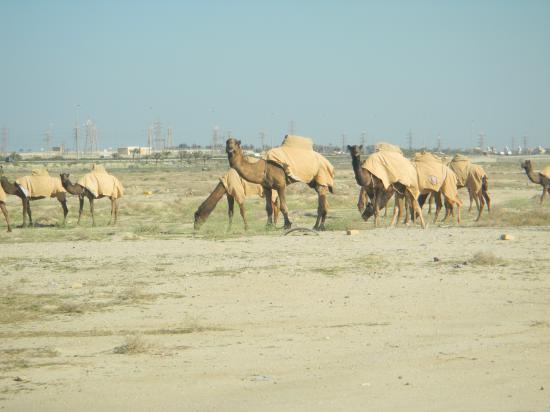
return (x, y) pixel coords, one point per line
(235, 189)
(273, 176)
(475, 179)
(374, 187)
(541, 178)
(3, 198)
(82, 192)
(35, 187)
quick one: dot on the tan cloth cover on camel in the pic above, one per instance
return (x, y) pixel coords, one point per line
(40, 184)
(382, 146)
(301, 162)
(240, 189)
(392, 167)
(545, 172)
(460, 165)
(2, 195)
(101, 183)
(434, 174)
(475, 177)
(449, 187)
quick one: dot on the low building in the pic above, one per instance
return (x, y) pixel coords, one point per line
(134, 150)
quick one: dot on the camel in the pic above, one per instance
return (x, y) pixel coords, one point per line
(378, 193)
(3, 202)
(235, 189)
(273, 176)
(542, 178)
(475, 179)
(20, 189)
(82, 192)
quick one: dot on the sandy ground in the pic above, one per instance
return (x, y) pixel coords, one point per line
(282, 323)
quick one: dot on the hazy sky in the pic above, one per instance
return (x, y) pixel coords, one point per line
(449, 68)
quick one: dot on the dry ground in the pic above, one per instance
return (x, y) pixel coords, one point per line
(150, 316)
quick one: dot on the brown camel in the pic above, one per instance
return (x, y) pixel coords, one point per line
(212, 200)
(475, 179)
(82, 192)
(273, 176)
(542, 178)
(3, 200)
(379, 195)
(17, 190)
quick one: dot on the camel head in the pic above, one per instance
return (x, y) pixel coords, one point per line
(64, 177)
(232, 146)
(355, 150)
(527, 164)
(368, 212)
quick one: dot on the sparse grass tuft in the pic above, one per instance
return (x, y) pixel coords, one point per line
(132, 345)
(487, 259)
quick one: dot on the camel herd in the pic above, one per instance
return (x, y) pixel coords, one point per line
(384, 174)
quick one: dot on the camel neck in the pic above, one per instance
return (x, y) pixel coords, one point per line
(9, 188)
(533, 177)
(251, 172)
(359, 178)
(71, 188)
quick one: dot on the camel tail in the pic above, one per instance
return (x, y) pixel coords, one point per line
(209, 205)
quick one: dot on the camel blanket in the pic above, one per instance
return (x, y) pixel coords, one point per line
(476, 173)
(431, 171)
(382, 146)
(546, 172)
(449, 187)
(2, 195)
(240, 189)
(40, 184)
(392, 167)
(101, 183)
(460, 165)
(301, 162)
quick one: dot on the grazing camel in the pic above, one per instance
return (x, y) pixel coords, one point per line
(35, 187)
(81, 191)
(236, 189)
(378, 193)
(3, 200)
(273, 176)
(541, 178)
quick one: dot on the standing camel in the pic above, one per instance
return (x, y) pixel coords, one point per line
(475, 179)
(378, 192)
(3, 199)
(82, 192)
(236, 189)
(35, 187)
(274, 176)
(541, 178)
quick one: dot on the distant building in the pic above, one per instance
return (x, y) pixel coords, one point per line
(130, 150)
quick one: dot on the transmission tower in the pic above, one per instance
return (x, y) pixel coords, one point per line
(90, 145)
(343, 142)
(525, 144)
(291, 127)
(170, 137)
(410, 139)
(4, 141)
(513, 144)
(364, 141)
(262, 140)
(150, 138)
(77, 140)
(482, 141)
(215, 138)
(439, 143)
(158, 141)
(48, 139)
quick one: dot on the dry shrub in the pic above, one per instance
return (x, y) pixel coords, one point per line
(132, 345)
(487, 259)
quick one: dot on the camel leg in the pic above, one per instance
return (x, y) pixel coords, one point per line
(471, 199)
(542, 196)
(29, 213)
(243, 215)
(322, 207)
(284, 208)
(438, 205)
(5, 212)
(112, 210)
(24, 204)
(362, 201)
(485, 192)
(62, 198)
(430, 201)
(275, 207)
(269, 206)
(479, 199)
(397, 210)
(80, 207)
(91, 199)
(416, 208)
(230, 208)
